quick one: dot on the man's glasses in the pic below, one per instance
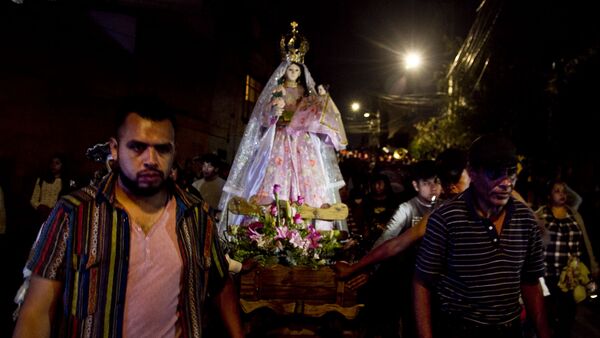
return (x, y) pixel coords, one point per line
(496, 173)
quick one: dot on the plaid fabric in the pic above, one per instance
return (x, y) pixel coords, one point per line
(564, 239)
(85, 244)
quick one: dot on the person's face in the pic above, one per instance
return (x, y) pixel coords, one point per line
(493, 186)
(461, 185)
(428, 188)
(344, 193)
(55, 166)
(321, 90)
(293, 72)
(558, 195)
(379, 187)
(208, 170)
(144, 154)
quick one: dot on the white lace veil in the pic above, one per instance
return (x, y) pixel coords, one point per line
(238, 179)
(248, 168)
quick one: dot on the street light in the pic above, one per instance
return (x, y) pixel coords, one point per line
(355, 106)
(413, 60)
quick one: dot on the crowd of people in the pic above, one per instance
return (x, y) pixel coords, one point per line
(457, 237)
(453, 250)
(468, 247)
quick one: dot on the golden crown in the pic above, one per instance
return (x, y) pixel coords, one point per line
(293, 45)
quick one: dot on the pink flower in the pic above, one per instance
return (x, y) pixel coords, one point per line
(255, 236)
(282, 232)
(276, 189)
(300, 200)
(313, 237)
(298, 219)
(274, 210)
(297, 240)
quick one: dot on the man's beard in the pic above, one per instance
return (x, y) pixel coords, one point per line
(134, 188)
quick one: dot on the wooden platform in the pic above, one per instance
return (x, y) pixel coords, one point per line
(282, 301)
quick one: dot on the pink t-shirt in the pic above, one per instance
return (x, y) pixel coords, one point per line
(153, 282)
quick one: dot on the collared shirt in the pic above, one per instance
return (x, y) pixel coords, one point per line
(85, 244)
(476, 272)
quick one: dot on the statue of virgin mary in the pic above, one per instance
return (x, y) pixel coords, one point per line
(291, 139)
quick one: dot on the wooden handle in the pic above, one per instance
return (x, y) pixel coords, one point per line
(338, 211)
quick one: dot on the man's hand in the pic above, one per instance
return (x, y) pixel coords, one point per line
(343, 269)
(358, 281)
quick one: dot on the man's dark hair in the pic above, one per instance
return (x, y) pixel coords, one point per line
(147, 106)
(211, 158)
(450, 165)
(48, 177)
(492, 151)
(423, 170)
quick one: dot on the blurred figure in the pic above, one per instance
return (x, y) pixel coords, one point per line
(211, 184)
(426, 183)
(392, 282)
(179, 177)
(451, 166)
(379, 206)
(565, 236)
(49, 187)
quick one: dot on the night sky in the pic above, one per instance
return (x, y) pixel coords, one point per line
(533, 46)
(356, 45)
(540, 83)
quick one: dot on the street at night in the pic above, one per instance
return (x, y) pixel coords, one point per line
(389, 85)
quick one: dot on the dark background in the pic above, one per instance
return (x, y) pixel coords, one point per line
(64, 64)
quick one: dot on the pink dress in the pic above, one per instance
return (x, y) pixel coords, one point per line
(295, 162)
(296, 150)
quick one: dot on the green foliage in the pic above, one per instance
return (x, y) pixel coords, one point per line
(449, 130)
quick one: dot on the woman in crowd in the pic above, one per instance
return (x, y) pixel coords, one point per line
(48, 188)
(565, 238)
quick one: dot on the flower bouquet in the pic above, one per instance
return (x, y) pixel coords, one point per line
(277, 233)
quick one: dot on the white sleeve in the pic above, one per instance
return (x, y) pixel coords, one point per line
(395, 225)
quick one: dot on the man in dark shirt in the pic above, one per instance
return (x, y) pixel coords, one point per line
(481, 252)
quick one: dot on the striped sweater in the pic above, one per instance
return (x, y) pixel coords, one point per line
(476, 272)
